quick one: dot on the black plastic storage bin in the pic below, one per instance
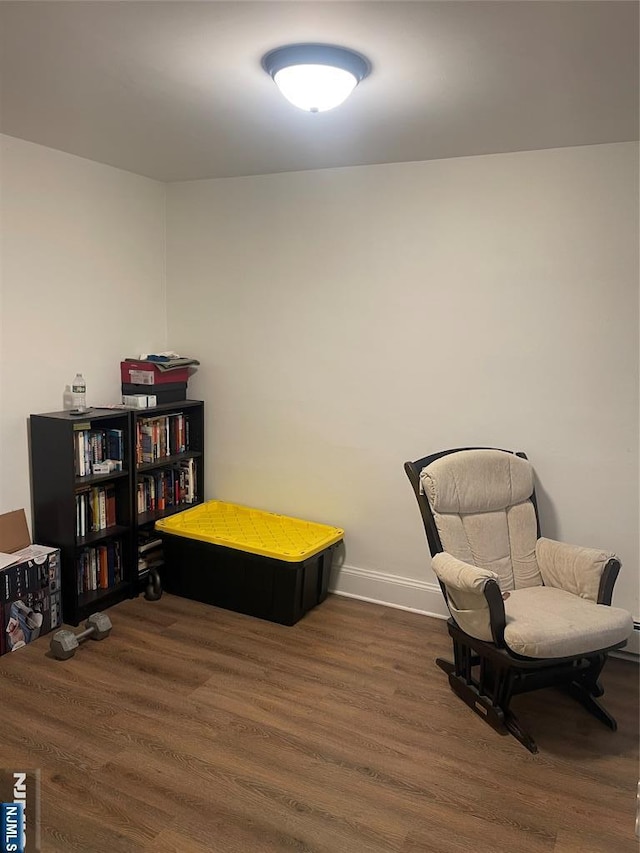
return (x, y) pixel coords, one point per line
(254, 562)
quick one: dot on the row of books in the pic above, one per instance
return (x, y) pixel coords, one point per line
(167, 487)
(150, 554)
(97, 445)
(99, 567)
(95, 509)
(162, 436)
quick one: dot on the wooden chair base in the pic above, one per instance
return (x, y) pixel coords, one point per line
(501, 676)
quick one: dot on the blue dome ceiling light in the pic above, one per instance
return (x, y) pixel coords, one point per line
(316, 77)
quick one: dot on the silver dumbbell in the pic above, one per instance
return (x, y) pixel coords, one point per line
(64, 643)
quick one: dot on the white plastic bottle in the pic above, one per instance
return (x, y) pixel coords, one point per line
(79, 392)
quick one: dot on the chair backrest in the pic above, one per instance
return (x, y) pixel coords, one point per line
(478, 504)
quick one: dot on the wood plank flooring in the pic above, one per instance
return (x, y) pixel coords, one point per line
(196, 730)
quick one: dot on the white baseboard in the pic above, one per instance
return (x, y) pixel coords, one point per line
(416, 596)
(632, 650)
(389, 590)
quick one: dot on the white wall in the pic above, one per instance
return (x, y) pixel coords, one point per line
(82, 287)
(350, 319)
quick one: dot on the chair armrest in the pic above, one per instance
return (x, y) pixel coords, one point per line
(586, 572)
(473, 597)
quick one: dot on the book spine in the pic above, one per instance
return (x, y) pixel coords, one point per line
(110, 498)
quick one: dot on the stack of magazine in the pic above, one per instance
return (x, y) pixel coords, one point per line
(149, 552)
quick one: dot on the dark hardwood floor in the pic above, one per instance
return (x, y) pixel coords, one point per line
(193, 729)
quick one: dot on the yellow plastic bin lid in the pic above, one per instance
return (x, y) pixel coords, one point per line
(253, 530)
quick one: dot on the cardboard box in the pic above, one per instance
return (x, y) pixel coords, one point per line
(30, 599)
(139, 401)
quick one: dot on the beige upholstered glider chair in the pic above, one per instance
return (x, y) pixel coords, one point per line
(526, 612)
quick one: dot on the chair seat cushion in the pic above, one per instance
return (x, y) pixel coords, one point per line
(545, 622)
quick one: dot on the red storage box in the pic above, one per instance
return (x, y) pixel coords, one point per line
(148, 373)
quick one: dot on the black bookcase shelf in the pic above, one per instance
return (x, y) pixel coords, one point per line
(114, 532)
(167, 461)
(193, 412)
(100, 599)
(56, 484)
(154, 515)
(57, 442)
(96, 479)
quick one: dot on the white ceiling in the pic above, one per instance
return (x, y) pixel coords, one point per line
(175, 90)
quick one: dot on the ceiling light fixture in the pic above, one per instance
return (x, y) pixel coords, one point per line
(315, 77)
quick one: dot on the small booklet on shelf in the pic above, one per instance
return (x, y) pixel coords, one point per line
(150, 555)
(167, 362)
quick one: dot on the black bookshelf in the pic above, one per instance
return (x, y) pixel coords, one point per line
(56, 482)
(192, 456)
(57, 486)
